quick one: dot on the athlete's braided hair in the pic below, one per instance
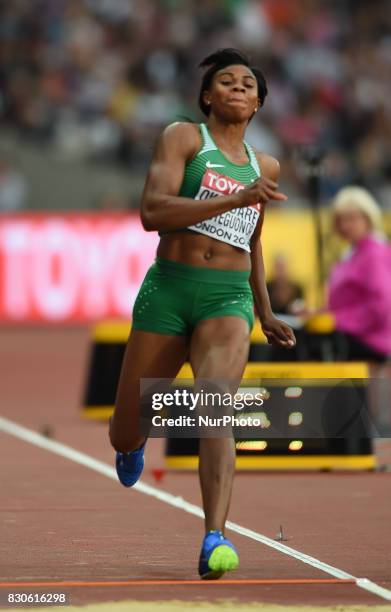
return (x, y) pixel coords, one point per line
(221, 59)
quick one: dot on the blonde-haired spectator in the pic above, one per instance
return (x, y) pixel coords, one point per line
(360, 284)
(353, 200)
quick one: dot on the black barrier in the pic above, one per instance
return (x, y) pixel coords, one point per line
(351, 450)
(327, 422)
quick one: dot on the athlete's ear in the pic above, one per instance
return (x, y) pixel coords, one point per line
(206, 97)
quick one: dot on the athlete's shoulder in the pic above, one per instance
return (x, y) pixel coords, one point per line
(183, 135)
(181, 128)
(270, 166)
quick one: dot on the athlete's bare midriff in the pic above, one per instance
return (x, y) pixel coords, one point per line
(197, 250)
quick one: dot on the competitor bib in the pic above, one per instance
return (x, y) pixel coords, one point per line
(235, 226)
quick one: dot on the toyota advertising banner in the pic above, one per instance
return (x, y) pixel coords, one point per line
(71, 267)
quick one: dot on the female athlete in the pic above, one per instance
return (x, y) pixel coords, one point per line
(205, 194)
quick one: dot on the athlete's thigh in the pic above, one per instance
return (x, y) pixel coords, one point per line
(147, 355)
(219, 348)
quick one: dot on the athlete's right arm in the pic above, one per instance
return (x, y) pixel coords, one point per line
(161, 207)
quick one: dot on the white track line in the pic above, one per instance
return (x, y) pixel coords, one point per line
(68, 452)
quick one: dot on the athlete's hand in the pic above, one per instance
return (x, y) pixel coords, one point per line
(277, 332)
(262, 190)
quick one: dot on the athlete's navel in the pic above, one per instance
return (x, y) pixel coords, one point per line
(208, 254)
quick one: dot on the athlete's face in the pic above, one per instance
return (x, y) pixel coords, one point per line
(233, 93)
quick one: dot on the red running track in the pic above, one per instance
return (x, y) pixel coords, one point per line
(64, 522)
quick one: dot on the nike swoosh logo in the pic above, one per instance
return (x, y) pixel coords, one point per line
(209, 165)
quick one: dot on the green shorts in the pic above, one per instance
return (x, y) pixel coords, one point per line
(175, 297)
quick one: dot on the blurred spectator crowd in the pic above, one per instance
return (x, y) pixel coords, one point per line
(98, 79)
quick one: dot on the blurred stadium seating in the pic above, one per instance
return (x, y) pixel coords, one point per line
(85, 81)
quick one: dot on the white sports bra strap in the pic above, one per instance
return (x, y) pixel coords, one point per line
(208, 145)
(253, 158)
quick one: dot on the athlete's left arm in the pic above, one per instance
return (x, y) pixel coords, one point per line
(276, 331)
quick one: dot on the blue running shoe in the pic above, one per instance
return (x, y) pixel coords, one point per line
(129, 466)
(218, 555)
